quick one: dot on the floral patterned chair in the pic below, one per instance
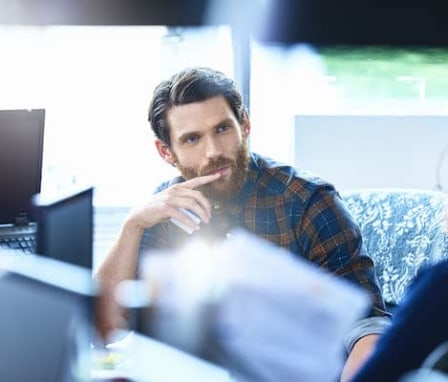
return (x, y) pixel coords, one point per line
(403, 230)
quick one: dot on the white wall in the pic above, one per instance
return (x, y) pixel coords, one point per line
(373, 151)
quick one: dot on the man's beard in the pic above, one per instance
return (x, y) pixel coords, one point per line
(220, 189)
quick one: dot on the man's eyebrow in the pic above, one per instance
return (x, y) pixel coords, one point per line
(225, 121)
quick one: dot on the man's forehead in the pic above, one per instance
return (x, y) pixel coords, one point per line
(195, 115)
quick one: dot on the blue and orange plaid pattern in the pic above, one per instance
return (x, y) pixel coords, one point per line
(294, 210)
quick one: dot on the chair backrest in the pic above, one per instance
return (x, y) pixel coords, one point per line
(403, 229)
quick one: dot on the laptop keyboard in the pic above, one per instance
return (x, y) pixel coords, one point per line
(20, 239)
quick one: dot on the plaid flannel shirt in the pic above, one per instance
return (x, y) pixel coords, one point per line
(299, 212)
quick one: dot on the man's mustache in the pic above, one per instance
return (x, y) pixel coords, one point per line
(216, 164)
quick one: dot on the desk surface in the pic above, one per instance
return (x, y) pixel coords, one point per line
(140, 358)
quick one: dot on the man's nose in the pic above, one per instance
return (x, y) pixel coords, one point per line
(212, 148)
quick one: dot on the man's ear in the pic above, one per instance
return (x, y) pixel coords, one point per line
(165, 152)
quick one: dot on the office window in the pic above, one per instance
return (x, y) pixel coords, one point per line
(357, 79)
(391, 80)
(95, 84)
(359, 116)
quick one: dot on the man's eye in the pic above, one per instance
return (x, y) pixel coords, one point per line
(223, 128)
(191, 139)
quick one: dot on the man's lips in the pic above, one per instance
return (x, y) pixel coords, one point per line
(220, 170)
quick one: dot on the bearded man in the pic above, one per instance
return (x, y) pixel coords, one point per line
(202, 128)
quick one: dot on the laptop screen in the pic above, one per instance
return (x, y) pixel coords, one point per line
(21, 152)
(65, 227)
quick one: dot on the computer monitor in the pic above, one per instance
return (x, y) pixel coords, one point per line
(65, 226)
(21, 153)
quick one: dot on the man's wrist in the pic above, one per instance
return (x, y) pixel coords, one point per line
(133, 223)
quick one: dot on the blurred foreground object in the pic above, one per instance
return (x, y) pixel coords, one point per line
(251, 307)
(391, 22)
(46, 319)
(140, 358)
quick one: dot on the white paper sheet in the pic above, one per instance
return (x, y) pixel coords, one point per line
(261, 312)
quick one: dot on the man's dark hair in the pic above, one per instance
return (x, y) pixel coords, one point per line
(189, 86)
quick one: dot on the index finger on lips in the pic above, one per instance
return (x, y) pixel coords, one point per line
(201, 180)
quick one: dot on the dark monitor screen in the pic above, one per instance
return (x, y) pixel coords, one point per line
(65, 227)
(21, 152)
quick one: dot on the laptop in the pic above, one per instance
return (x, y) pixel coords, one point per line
(21, 153)
(65, 226)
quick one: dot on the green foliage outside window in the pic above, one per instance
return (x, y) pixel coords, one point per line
(388, 72)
